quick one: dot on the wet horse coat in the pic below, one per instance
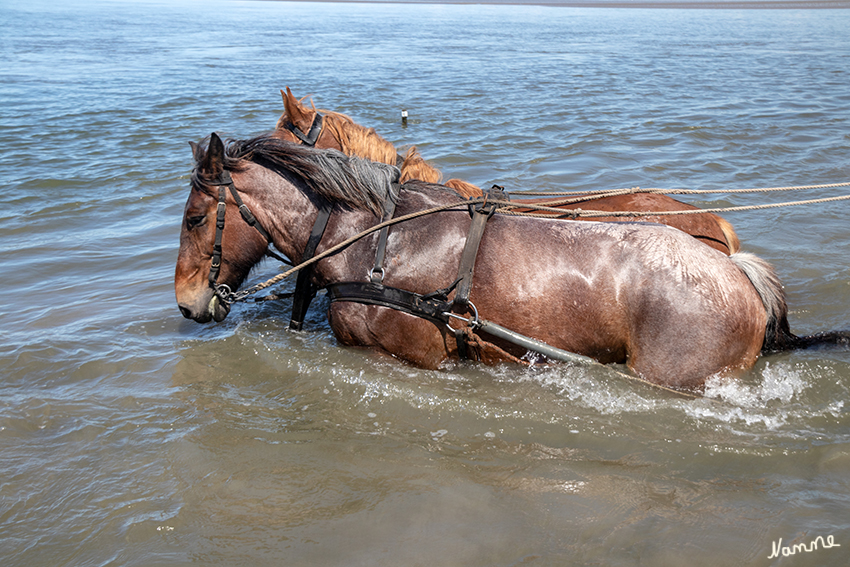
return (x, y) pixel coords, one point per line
(674, 310)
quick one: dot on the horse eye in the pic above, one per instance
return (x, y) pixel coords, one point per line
(195, 221)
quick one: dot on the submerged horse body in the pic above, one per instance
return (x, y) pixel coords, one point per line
(332, 130)
(675, 311)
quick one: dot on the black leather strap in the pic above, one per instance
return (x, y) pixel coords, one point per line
(428, 307)
(377, 273)
(480, 215)
(470, 251)
(311, 137)
(225, 182)
(305, 291)
(215, 265)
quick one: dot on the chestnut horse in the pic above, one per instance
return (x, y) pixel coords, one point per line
(675, 311)
(339, 132)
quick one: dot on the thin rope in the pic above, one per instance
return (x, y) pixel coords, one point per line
(678, 191)
(460, 205)
(580, 213)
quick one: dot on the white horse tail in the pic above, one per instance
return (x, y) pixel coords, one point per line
(777, 335)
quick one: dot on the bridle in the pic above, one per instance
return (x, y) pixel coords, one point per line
(225, 182)
(304, 288)
(311, 137)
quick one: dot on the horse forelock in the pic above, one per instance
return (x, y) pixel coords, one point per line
(347, 180)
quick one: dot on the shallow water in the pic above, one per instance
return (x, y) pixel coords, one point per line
(129, 436)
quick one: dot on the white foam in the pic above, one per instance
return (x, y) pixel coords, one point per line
(776, 400)
(777, 382)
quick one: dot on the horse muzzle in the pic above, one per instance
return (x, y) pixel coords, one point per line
(214, 310)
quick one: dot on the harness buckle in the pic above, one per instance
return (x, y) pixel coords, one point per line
(376, 275)
(496, 192)
(247, 215)
(472, 322)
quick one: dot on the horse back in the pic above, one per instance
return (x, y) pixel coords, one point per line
(648, 295)
(673, 309)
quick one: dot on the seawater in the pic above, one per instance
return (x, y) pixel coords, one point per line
(129, 436)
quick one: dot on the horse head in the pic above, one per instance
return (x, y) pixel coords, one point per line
(217, 248)
(301, 124)
(339, 132)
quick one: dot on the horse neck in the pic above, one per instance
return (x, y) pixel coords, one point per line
(288, 211)
(358, 140)
(281, 206)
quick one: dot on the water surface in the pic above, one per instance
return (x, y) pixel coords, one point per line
(129, 436)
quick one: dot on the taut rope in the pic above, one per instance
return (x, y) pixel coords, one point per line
(627, 191)
(571, 213)
(576, 213)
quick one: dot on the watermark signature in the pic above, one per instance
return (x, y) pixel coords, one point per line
(793, 549)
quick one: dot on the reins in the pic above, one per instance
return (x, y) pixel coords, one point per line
(607, 192)
(551, 206)
(238, 296)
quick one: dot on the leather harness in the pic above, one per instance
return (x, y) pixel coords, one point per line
(224, 183)
(435, 306)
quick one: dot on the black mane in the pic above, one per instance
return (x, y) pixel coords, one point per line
(350, 181)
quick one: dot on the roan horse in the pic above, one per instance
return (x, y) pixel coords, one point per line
(326, 129)
(675, 311)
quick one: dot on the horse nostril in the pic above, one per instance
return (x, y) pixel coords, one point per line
(186, 313)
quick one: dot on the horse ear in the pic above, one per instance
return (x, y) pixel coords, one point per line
(289, 100)
(299, 115)
(197, 152)
(214, 159)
